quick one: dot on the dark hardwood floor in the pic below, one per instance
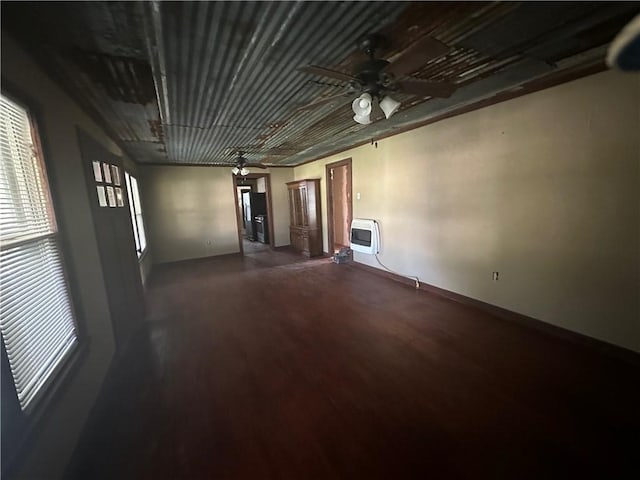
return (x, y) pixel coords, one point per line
(250, 247)
(274, 367)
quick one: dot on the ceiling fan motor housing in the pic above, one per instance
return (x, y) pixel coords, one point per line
(369, 74)
(372, 42)
(241, 161)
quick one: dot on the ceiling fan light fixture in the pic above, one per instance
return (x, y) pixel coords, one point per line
(235, 170)
(244, 171)
(389, 106)
(362, 105)
(362, 119)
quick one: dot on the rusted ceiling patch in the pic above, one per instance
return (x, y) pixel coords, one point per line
(124, 79)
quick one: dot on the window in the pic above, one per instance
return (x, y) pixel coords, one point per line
(37, 321)
(136, 213)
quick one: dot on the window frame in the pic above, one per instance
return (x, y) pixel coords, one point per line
(22, 425)
(135, 210)
(55, 234)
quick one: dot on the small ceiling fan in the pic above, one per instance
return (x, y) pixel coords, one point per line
(376, 78)
(242, 165)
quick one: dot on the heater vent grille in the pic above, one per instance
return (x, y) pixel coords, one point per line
(365, 236)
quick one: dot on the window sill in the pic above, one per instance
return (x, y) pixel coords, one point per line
(143, 255)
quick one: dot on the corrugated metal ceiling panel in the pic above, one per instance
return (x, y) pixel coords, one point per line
(231, 68)
(193, 82)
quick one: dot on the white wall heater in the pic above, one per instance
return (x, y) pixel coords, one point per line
(365, 236)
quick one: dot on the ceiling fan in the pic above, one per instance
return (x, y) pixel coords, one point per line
(242, 165)
(374, 79)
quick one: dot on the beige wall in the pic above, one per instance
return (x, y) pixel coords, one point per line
(280, 201)
(189, 211)
(54, 444)
(542, 188)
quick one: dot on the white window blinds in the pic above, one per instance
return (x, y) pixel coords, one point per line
(36, 320)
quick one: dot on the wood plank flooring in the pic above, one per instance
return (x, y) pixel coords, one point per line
(262, 368)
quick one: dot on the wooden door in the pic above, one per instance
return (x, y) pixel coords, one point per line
(339, 204)
(104, 174)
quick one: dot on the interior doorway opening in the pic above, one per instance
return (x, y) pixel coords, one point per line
(252, 194)
(339, 204)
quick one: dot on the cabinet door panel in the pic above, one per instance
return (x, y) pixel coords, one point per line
(299, 207)
(292, 210)
(304, 214)
(304, 217)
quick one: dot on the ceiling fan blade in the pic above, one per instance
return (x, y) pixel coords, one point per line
(426, 88)
(326, 72)
(343, 98)
(417, 56)
(255, 165)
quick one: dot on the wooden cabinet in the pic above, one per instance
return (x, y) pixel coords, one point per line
(305, 222)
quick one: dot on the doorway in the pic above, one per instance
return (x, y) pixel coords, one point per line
(254, 217)
(339, 205)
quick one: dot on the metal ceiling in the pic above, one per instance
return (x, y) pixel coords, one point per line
(192, 82)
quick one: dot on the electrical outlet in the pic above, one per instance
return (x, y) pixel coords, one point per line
(358, 196)
(495, 276)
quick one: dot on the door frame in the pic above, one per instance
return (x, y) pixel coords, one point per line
(234, 182)
(348, 162)
(243, 188)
